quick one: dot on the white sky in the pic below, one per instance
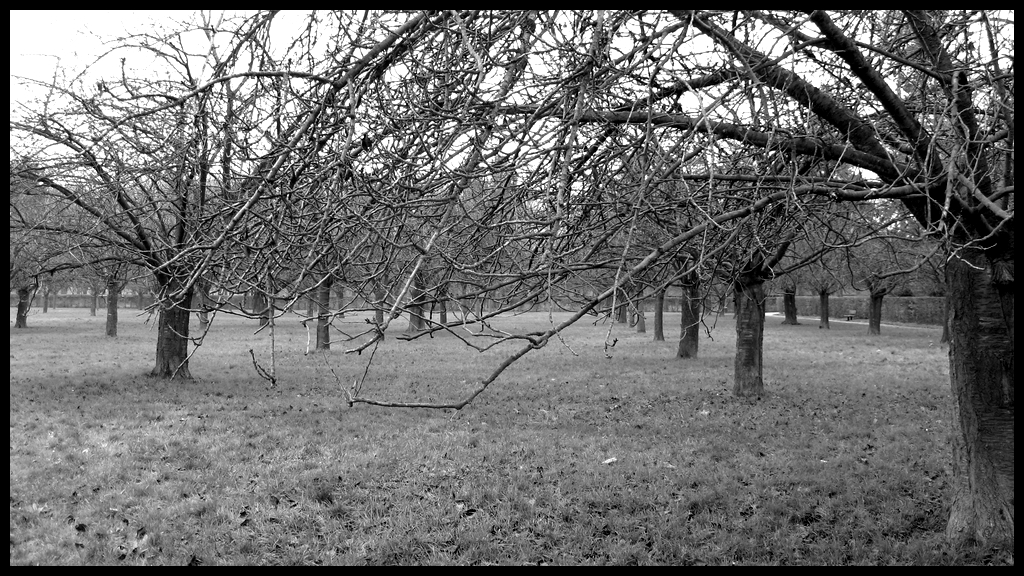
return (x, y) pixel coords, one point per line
(40, 39)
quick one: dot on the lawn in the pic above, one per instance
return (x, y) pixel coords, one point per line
(571, 457)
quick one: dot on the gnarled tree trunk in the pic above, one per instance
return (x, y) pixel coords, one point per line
(981, 370)
(689, 323)
(749, 335)
(789, 305)
(24, 303)
(95, 291)
(416, 320)
(875, 312)
(113, 294)
(823, 306)
(172, 336)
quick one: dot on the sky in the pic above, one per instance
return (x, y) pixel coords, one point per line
(40, 39)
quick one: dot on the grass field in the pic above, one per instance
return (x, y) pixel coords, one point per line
(845, 460)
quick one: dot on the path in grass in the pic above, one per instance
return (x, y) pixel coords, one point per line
(845, 460)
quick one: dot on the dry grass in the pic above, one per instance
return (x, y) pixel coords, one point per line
(845, 461)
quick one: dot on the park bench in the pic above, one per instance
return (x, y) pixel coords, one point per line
(850, 314)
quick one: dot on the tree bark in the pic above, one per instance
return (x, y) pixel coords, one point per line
(24, 300)
(95, 299)
(201, 301)
(172, 338)
(113, 293)
(46, 300)
(875, 313)
(981, 370)
(823, 305)
(641, 320)
(659, 316)
(689, 305)
(416, 320)
(621, 315)
(442, 302)
(749, 336)
(323, 319)
(789, 305)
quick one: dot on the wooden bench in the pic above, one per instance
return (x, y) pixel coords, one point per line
(850, 314)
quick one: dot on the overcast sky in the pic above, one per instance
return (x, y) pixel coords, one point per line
(42, 38)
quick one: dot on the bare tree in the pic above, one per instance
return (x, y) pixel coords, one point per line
(498, 150)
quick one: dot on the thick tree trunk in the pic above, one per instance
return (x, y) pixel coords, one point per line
(24, 301)
(823, 305)
(689, 305)
(113, 293)
(323, 319)
(789, 305)
(875, 313)
(46, 300)
(749, 336)
(659, 316)
(95, 300)
(416, 320)
(641, 320)
(172, 341)
(981, 370)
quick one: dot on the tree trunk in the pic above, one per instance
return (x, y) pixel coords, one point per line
(113, 293)
(621, 315)
(981, 370)
(875, 313)
(323, 320)
(199, 302)
(442, 302)
(24, 300)
(689, 305)
(789, 305)
(46, 300)
(378, 312)
(416, 321)
(641, 320)
(659, 316)
(823, 304)
(95, 300)
(172, 340)
(749, 336)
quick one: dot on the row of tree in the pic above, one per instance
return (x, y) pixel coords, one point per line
(505, 159)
